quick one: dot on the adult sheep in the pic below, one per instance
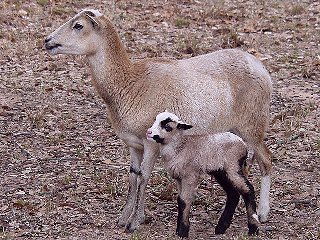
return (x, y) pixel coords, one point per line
(220, 91)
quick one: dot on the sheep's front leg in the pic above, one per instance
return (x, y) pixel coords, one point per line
(186, 189)
(136, 158)
(151, 153)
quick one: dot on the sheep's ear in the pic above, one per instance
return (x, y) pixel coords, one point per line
(184, 126)
(91, 16)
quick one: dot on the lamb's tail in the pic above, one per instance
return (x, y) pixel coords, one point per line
(247, 163)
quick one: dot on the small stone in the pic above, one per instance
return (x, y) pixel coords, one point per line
(22, 12)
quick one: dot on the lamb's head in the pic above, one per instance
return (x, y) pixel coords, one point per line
(78, 36)
(166, 126)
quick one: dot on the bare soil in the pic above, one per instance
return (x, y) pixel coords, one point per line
(64, 172)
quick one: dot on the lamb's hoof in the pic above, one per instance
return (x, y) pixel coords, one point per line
(219, 230)
(253, 230)
(183, 235)
(183, 231)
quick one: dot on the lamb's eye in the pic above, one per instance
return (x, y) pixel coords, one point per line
(78, 26)
(167, 128)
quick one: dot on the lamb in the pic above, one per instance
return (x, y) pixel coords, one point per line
(187, 157)
(216, 92)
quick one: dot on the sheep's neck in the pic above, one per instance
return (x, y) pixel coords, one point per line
(110, 67)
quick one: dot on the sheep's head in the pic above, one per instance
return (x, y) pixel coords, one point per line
(78, 36)
(165, 127)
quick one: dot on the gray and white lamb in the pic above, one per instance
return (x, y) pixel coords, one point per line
(187, 157)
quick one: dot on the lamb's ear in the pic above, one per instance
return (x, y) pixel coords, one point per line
(184, 126)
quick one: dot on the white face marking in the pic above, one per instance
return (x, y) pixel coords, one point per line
(264, 205)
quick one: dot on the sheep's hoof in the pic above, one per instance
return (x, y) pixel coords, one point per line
(129, 228)
(263, 217)
(263, 212)
(121, 223)
(134, 222)
(123, 219)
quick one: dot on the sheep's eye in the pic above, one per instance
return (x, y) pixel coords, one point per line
(78, 26)
(167, 128)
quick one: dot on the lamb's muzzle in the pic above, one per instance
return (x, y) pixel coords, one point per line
(149, 134)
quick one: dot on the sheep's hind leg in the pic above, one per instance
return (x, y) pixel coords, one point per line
(136, 158)
(263, 156)
(233, 198)
(151, 153)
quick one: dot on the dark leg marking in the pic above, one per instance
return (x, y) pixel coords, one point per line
(253, 229)
(182, 228)
(233, 198)
(251, 206)
(135, 171)
(249, 199)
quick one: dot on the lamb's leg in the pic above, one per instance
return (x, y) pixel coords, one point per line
(232, 201)
(181, 206)
(249, 199)
(151, 153)
(187, 187)
(242, 185)
(263, 156)
(136, 158)
(246, 190)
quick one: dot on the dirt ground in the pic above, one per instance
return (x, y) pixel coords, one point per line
(64, 172)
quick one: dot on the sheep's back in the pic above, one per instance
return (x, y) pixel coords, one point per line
(216, 92)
